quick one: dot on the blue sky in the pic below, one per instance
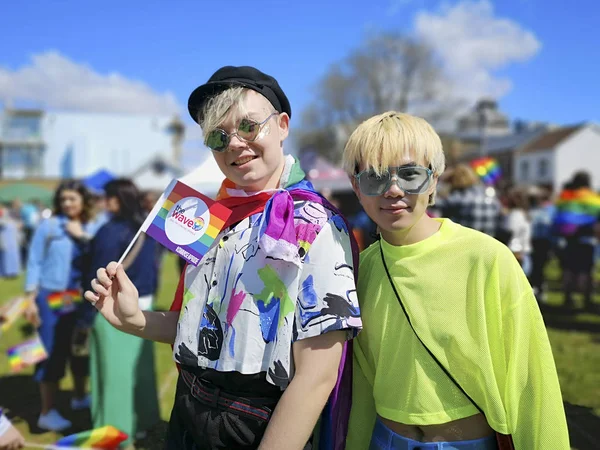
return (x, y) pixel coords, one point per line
(544, 66)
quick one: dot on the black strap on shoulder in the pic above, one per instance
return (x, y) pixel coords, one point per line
(448, 374)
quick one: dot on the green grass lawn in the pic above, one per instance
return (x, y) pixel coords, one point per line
(575, 339)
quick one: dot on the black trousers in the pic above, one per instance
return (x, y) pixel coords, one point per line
(539, 259)
(206, 418)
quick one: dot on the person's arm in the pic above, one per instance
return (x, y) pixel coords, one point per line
(363, 412)
(116, 298)
(35, 257)
(317, 360)
(10, 438)
(326, 315)
(533, 401)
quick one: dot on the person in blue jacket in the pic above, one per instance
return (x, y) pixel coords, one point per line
(122, 377)
(55, 264)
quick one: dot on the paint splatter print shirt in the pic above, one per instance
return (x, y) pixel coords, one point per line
(242, 309)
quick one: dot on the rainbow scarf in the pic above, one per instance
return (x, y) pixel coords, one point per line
(487, 169)
(576, 209)
(107, 437)
(277, 235)
(64, 300)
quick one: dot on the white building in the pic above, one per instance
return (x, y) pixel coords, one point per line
(155, 174)
(36, 143)
(553, 157)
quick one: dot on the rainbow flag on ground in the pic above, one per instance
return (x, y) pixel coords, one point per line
(487, 169)
(64, 301)
(26, 354)
(185, 221)
(107, 437)
(575, 209)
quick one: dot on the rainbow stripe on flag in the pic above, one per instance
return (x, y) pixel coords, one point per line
(575, 209)
(487, 169)
(65, 300)
(26, 354)
(186, 221)
(107, 437)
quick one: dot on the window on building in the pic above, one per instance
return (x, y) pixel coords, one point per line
(21, 161)
(524, 169)
(17, 126)
(543, 168)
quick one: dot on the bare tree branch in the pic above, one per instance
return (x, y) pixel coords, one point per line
(389, 71)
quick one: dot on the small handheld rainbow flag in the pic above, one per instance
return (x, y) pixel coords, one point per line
(184, 221)
(26, 353)
(575, 209)
(11, 312)
(107, 437)
(64, 301)
(488, 170)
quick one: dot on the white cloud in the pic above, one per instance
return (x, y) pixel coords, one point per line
(51, 80)
(473, 44)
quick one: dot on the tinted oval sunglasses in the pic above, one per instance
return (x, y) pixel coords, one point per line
(411, 179)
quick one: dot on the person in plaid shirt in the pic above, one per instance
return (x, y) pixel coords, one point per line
(470, 205)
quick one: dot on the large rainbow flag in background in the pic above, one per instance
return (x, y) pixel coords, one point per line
(575, 209)
(107, 438)
(487, 169)
(185, 221)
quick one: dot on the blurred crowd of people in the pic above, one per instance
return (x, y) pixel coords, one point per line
(59, 249)
(18, 221)
(535, 223)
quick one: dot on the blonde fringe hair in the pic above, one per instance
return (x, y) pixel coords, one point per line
(383, 140)
(218, 108)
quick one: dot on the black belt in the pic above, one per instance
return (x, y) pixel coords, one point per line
(216, 397)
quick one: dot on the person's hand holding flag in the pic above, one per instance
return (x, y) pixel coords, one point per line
(116, 298)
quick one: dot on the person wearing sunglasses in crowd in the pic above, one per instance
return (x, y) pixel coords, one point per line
(259, 327)
(454, 353)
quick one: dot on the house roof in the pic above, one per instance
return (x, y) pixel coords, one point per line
(550, 139)
(498, 145)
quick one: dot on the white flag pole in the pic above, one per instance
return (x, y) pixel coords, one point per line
(149, 219)
(130, 246)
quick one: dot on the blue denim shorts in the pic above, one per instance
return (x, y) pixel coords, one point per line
(385, 439)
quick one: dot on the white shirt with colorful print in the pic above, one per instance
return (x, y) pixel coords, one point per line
(242, 310)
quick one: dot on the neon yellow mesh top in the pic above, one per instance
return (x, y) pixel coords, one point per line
(473, 306)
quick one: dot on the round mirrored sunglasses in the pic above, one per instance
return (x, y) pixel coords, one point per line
(247, 130)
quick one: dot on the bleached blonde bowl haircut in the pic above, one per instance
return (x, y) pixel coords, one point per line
(218, 108)
(384, 140)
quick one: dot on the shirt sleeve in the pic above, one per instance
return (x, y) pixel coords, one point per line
(327, 291)
(533, 401)
(37, 250)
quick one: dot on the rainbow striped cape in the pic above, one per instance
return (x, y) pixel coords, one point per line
(576, 209)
